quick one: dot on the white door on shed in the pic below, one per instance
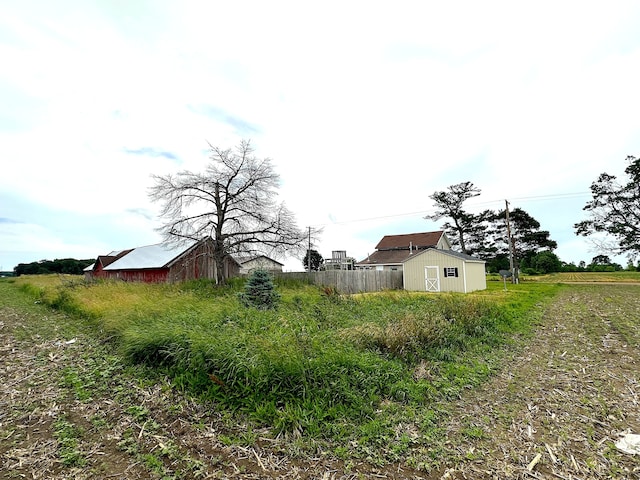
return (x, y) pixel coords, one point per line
(432, 278)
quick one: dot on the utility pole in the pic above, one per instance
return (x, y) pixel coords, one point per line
(309, 253)
(512, 261)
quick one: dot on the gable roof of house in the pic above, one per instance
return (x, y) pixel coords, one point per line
(396, 249)
(242, 259)
(386, 257)
(403, 242)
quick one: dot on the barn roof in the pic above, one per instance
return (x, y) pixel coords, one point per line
(108, 259)
(151, 256)
(417, 240)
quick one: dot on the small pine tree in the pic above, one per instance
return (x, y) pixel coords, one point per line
(259, 291)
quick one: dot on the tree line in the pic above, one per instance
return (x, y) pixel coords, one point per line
(69, 266)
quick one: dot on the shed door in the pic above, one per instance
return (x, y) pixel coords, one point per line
(432, 278)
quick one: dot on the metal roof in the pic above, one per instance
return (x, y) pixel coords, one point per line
(151, 256)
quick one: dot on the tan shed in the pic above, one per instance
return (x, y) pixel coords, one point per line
(434, 270)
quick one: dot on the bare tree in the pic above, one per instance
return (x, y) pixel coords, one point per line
(234, 202)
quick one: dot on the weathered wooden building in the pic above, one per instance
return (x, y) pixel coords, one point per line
(161, 263)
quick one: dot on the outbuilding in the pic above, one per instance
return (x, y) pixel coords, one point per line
(427, 263)
(250, 263)
(161, 263)
(434, 270)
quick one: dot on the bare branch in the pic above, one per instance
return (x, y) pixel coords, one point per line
(233, 201)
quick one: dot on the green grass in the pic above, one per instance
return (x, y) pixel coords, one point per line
(68, 435)
(332, 368)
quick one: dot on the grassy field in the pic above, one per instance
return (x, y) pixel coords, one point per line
(319, 365)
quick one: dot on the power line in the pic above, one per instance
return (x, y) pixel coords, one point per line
(481, 204)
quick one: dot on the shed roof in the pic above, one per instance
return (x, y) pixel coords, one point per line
(451, 253)
(398, 257)
(417, 240)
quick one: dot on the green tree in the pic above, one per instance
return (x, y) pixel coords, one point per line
(546, 262)
(601, 260)
(602, 263)
(528, 239)
(69, 266)
(569, 267)
(615, 210)
(495, 263)
(315, 258)
(259, 291)
(526, 235)
(482, 239)
(463, 225)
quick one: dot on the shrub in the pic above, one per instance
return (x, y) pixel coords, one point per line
(259, 291)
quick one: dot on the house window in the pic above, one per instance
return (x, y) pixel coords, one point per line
(450, 271)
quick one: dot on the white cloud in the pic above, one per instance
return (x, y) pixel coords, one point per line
(366, 108)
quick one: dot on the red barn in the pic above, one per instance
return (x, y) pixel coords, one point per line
(161, 263)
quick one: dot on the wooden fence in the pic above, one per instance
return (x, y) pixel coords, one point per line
(351, 281)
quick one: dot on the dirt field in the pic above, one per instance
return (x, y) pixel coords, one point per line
(70, 410)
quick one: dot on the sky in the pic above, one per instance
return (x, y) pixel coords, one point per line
(365, 108)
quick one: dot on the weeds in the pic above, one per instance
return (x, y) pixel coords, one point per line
(67, 434)
(319, 365)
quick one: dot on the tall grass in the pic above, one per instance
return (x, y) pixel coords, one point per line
(316, 361)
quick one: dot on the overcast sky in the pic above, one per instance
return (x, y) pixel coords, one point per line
(366, 109)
